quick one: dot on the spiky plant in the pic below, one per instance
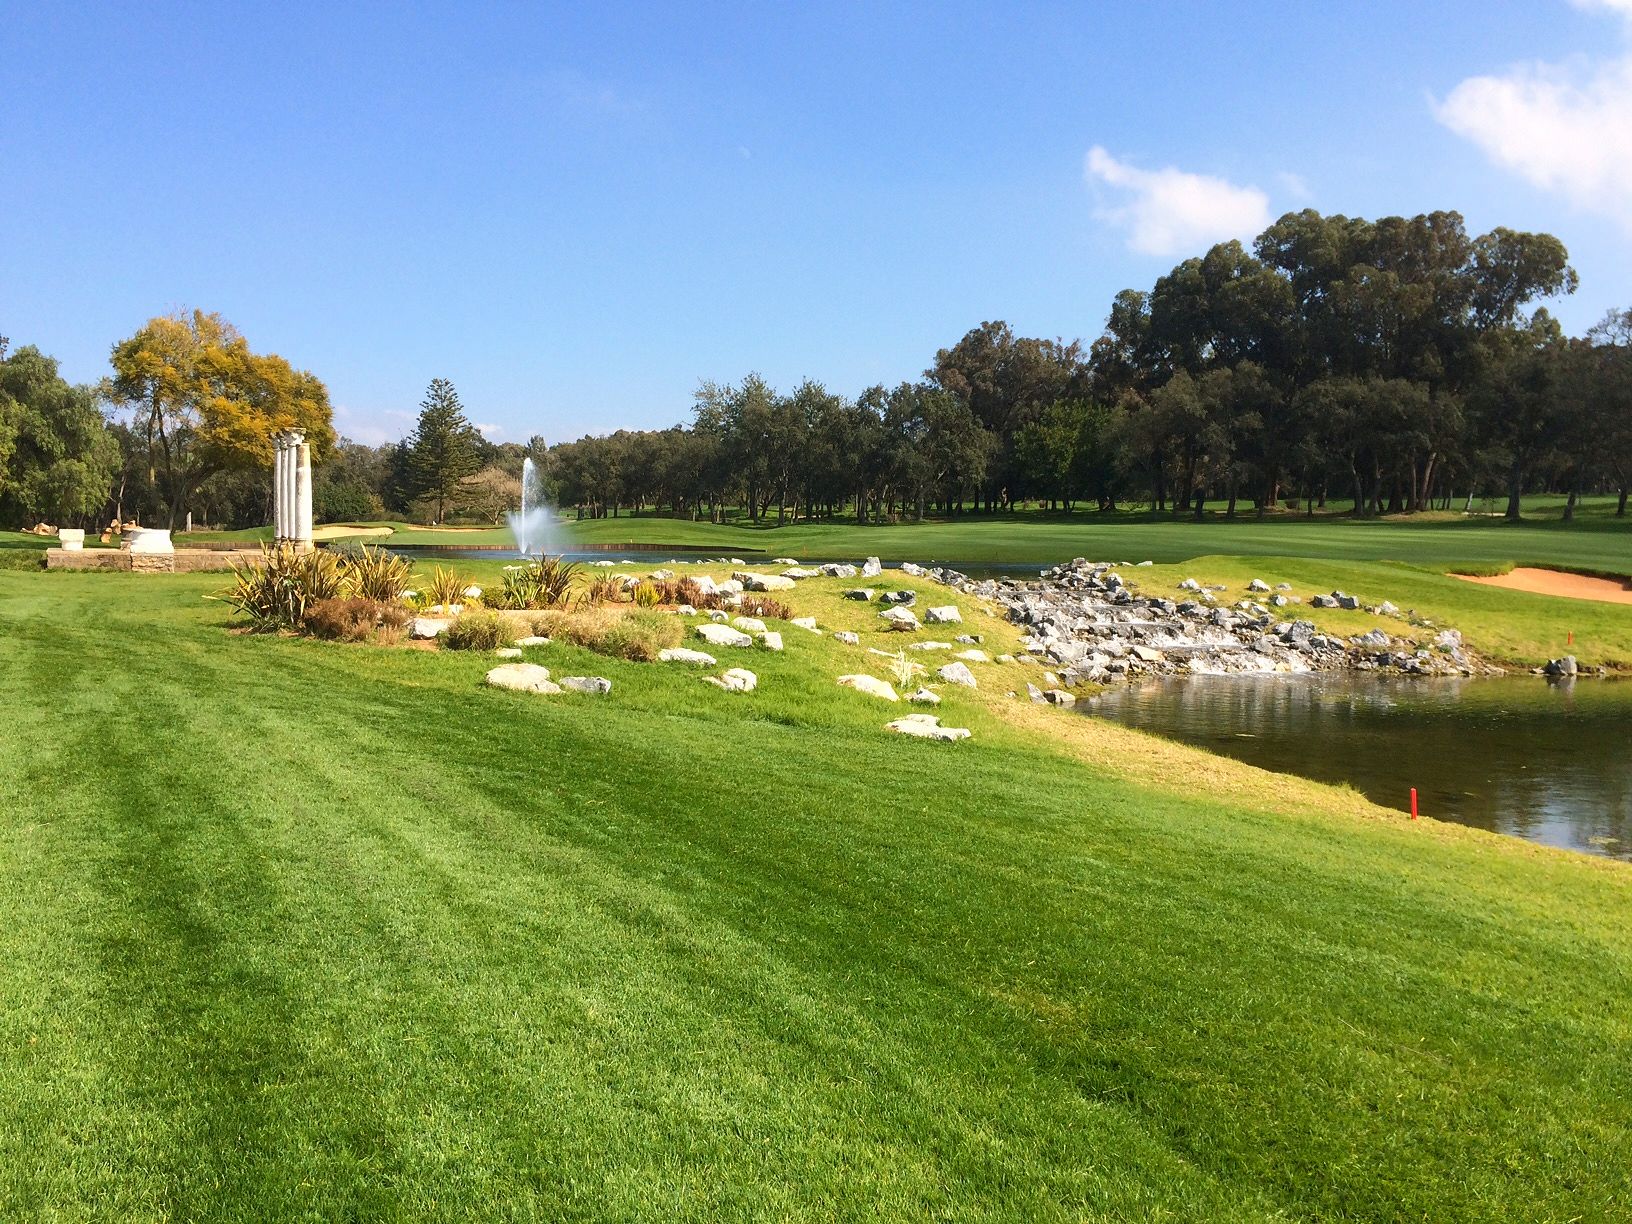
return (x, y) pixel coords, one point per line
(377, 574)
(276, 590)
(904, 671)
(445, 588)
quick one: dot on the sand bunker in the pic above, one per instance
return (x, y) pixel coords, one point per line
(342, 531)
(1556, 582)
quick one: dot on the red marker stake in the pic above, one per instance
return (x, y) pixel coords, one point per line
(1570, 640)
(1413, 803)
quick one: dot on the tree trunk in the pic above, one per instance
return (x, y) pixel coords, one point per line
(1620, 509)
(1515, 486)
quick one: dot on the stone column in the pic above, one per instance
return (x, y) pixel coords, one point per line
(277, 488)
(288, 487)
(303, 494)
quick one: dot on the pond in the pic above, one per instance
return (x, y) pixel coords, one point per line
(1549, 761)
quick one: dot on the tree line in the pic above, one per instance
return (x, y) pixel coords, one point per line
(1395, 365)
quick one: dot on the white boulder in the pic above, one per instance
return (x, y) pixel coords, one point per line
(770, 639)
(972, 656)
(683, 654)
(723, 635)
(522, 678)
(848, 638)
(872, 567)
(926, 726)
(586, 684)
(426, 627)
(900, 616)
(958, 673)
(872, 686)
(943, 616)
(748, 624)
(532, 639)
(807, 623)
(736, 680)
(925, 696)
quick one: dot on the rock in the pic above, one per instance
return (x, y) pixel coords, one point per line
(915, 571)
(1147, 654)
(1349, 603)
(1279, 601)
(801, 571)
(970, 639)
(900, 616)
(807, 623)
(508, 652)
(1142, 564)
(1449, 640)
(532, 639)
(586, 684)
(903, 599)
(683, 654)
(723, 635)
(958, 673)
(1005, 658)
(872, 686)
(972, 656)
(1035, 693)
(748, 624)
(926, 726)
(731, 586)
(948, 615)
(837, 569)
(1060, 697)
(924, 696)
(1374, 639)
(685, 610)
(783, 561)
(1190, 584)
(930, 646)
(1323, 601)
(848, 638)
(426, 627)
(1561, 667)
(872, 567)
(1388, 609)
(863, 594)
(1258, 584)
(522, 678)
(736, 680)
(766, 582)
(771, 640)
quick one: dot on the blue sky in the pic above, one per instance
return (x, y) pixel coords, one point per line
(578, 212)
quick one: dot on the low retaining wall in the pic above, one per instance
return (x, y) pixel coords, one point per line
(182, 561)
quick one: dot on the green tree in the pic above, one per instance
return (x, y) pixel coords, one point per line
(443, 449)
(202, 403)
(58, 458)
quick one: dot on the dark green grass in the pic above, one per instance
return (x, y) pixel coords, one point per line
(309, 930)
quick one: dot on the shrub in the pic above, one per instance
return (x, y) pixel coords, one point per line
(375, 573)
(479, 631)
(277, 591)
(623, 633)
(764, 605)
(353, 620)
(444, 588)
(646, 595)
(545, 583)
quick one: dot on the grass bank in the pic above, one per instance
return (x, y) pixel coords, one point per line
(299, 928)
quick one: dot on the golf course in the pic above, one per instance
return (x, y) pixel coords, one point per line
(315, 929)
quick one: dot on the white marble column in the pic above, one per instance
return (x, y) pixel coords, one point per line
(280, 489)
(277, 488)
(303, 494)
(288, 488)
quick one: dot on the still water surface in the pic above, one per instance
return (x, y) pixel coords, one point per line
(1550, 761)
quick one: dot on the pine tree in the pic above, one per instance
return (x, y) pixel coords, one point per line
(442, 450)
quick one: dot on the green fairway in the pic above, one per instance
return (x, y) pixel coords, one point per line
(304, 929)
(1597, 541)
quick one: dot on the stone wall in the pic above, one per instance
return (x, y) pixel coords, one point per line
(182, 561)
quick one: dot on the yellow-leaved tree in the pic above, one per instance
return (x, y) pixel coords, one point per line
(201, 402)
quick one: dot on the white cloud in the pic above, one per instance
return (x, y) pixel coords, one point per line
(1173, 212)
(1297, 186)
(489, 432)
(1566, 128)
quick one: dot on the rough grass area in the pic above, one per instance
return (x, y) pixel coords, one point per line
(634, 634)
(304, 929)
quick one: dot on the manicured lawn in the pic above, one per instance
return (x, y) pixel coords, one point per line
(299, 929)
(1598, 541)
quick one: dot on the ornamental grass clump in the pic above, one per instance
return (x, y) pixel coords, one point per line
(606, 589)
(375, 573)
(763, 606)
(482, 630)
(278, 590)
(623, 633)
(354, 620)
(545, 583)
(444, 589)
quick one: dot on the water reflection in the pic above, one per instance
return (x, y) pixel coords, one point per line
(1550, 761)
